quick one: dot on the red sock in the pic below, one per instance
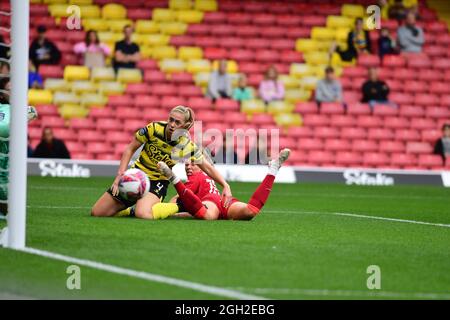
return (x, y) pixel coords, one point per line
(261, 194)
(191, 202)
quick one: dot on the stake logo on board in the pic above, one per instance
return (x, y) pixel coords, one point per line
(54, 169)
(364, 178)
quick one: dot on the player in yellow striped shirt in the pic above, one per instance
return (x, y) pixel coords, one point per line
(162, 142)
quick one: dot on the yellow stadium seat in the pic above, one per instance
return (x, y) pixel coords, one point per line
(232, 66)
(253, 106)
(289, 82)
(322, 33)
(352, 10)
(76, 73)
(324, 45)
(172, 65)
(309, 82)
(286, 120)
(58, 10)
(315, 58)
(205, 5)
(296, 95)
(35, 1)
(163, 15)
(202, 79)
(306, 45)
(337, 61)
(54, 1)
(53, 84)
(129, 75)
(298, 70)
(180, 4)
(157, 40)
(339, 22)
(61, 98)
(107, 36)
(146, 52)
(114, 11)
(189, 16)
(93, 100)
(83, 86)
(146, 26)
(111, 88)
(276, 107)
(39, 96)
(81, 2)
(190, 53)
(118, 25)
(90, 12)
(164, 52)
(69, 111)
(197, 66)
(94, 24)
(103, 74)
(342, 34)
(173, 28)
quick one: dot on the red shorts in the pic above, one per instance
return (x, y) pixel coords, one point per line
(217, 200)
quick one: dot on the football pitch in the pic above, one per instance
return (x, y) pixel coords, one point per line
(311, 241)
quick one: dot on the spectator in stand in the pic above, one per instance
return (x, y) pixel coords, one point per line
(358, 41)
(375, 91)
(29, 148)
(242, 92)
(91, 51)
(397, 11)
(219, 85)
(34, 78)
(43, 51)
(328, 89)
(386, 45)
(51, 147)
(126, 54)
(271, 88)
(4, 68)
(410, 37)
(442, 146)
(4, 50)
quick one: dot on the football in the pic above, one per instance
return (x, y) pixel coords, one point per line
(134, 184)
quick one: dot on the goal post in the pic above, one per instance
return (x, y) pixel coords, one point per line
(17, 190)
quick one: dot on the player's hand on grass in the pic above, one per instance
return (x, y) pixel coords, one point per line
(226, 195)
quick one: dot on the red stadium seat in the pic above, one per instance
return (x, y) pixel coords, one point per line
(227, 104)
(96, 113)
(78, 123)
(352, 97)
(147, 64)
(250, 67)
(132, 125)
(154, 76)
(214, 17)
(190, 91)
(419, 62)
(369, 121)
(98, 147)
(430, 75)
(300, 132)
(422, 124)
(242, 55)
(431, 136)
(108, 124)
(445, 100)
(200, 103)
(401, 98)
(206, 41)
(411, 111)
(348, 158)
(297, 32)
(423, 99)
(437, 112)
(107, 156)
(75, 147)
(376, 159)
(405, 74)
(402, 160)
(215, 53)
(49, 71)
(152, 115)
(440, 88)
(306, 107)
(437, 27)
(47, 110)
(315, 120)
(331, 108)
(343, 121)
(337, 145)
(267, 56)
(168, 102)
(380, 134)
(146, 101)
(406, 135)
(355, 72)
(289, 20)
(90, 136)
(393, 61)
(326, 132)
(257, 43)
(248, 31)
(115, 137)
(363, 145)
(117, 101)
(320, 157)
(238, 18)
(310, 144)
(231, 42)
(53, 122)
(385, 110)
(413, 86)
(165, 89)
(396, 123)
(419, 147)
(181, 78)
(391, 146)
(128, 113)
(368, 60)
(223, 30)
(430, 161)
(358, 108)
(199, 29)
(138, 88)
(353, 133)
(263, 19)
(187, 40)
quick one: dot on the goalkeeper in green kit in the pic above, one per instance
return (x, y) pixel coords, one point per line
(5, 114)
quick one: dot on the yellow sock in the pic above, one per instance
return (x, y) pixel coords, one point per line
(163, 210)
(124, 213)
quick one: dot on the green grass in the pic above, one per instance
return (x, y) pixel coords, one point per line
(294, 246)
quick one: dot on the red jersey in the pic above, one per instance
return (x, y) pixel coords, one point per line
(205, 188)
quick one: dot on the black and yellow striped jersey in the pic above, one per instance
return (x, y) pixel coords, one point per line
(157, 147)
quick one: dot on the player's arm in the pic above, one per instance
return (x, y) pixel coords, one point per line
(214, 174)
(126, 156)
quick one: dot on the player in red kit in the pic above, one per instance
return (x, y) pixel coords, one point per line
(200, 197)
